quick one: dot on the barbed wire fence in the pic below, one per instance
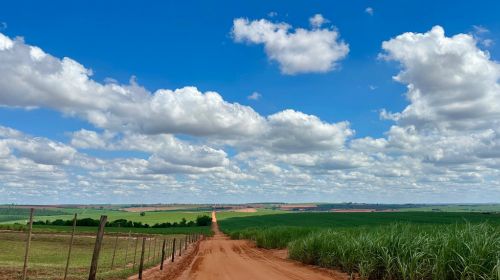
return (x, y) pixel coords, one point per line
(129, 253)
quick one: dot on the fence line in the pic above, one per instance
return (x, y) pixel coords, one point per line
(162, 246)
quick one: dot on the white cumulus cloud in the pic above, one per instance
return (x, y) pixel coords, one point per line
(451, 82)
(296, 50)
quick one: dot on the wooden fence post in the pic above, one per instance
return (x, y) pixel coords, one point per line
(135, 251)
(149, 250)
(170, 245)
(28, 244)
(159, 251)
(114, 253)
(154, 250)
(173, 250)
(162, 254)
(70, 246)
(97, 248)
(141, 264)
(185, 243)
(126, 250)
(180, 247)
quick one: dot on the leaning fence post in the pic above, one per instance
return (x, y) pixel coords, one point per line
(70, 246)
(135, 251)
(126, 250)
(28, 244)
(162, 254)
(97, 248)
(173, 250)
(114, 253)
(185, 244)
(141, 264)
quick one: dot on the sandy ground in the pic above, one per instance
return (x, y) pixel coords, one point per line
(353, 210)
(220, 258)
(246, 210)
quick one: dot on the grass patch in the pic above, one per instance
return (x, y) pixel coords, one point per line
(92, 230)
(49, 251)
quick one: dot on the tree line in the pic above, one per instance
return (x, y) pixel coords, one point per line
(89, 222)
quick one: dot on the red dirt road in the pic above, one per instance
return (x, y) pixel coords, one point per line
(220, 258)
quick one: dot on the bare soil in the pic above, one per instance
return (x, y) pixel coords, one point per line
(220, 258)
(152, 208)
(246, 210)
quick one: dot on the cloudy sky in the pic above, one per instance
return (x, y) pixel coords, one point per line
(212, 101)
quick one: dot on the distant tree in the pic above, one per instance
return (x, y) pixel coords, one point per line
(203, 220)
(143, 214)
(86, 222)
(118, 223)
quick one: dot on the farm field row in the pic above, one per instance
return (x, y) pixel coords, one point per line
(342, 220)
(392, 245)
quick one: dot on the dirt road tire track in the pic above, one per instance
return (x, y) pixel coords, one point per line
(219, 258)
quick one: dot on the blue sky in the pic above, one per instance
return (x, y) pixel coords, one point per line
(194, 43)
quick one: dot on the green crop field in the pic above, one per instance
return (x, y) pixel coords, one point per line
(151, 217)
(387, 245)
(224, 215)
(335, 220)
(457, 208)
(20, 215)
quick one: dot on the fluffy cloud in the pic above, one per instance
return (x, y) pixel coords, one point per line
(296, 51)
(164, 148)
(254, 96)
(31, 78)
(318, 20)
(155, 146)
(39, 150)
(292, 132)
(452, 84)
